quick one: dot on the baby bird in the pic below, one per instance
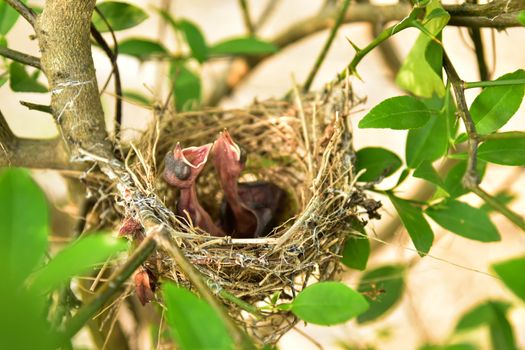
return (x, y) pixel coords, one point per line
(251, 208)
(182, 167)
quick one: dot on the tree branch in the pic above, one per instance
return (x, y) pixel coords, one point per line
(43, 154)
(326, 47)
(23, 10)
(63, 31)
(20, 57)
(471, 178)
(467, 16)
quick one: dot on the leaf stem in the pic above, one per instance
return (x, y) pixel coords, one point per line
(326, 47)
(491, 83)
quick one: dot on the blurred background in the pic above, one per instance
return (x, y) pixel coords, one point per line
(440, 287)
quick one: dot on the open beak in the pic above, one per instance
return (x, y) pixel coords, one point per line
(226, 147)
(194, 157)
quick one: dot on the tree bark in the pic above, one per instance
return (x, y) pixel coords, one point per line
(63, 31)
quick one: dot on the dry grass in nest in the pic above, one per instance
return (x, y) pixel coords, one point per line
(305, 147)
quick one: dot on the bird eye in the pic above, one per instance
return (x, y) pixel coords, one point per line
(243, 155)
(180, 169)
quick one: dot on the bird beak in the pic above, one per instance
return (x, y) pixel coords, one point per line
(225, 144)
(194, 157)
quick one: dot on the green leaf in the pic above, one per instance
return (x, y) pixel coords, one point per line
(415, 223)
(508, 151)
(383, 288)
(495, 105)
(493, 314)
(137, 97)
(417, 74)
(24, 225)
(8, 17)
(402, 177)
(436, 13)
(378, 162)
(426, 171)
(194, 324)
(464, 220)
(23, 324)
(430, 142)
(77, 258)
(501, 334)
(119, 15)
(480, 315)
(511, 272)
(243, 46)
(453, 184)
(521, 17)
(357, 248)
(21, 81)
(142, 49)
(187, 90)
(195, 39)
(399, 113)
(328, 303)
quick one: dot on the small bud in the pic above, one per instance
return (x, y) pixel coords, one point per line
(130, 227)
(143, 287)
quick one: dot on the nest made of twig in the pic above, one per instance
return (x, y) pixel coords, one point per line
(305, 147)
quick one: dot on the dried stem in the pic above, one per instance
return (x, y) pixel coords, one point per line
(326, 47)
(20, 57)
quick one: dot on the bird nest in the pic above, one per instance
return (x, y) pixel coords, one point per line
(304, 146)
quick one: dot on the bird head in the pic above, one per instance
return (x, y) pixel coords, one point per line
(228, 157)
(183, 165)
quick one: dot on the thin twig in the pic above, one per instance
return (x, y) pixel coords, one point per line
(37, 107)
(20, 57)
(326, 47)
(265, 14)
(248, 23)
(489, 83)
(500, 207)
(112, 55)
(22, 9)
(479, 49)
(407, 22)
(471, 178)
(108, 289)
